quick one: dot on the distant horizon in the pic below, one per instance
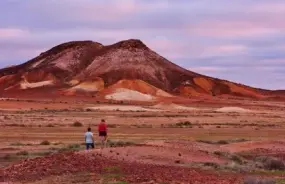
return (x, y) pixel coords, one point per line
(240, 40)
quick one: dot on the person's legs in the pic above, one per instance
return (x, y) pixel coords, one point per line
(92, 146)
(87, 146)
(105, 141)
(101, 138)
(102, 141)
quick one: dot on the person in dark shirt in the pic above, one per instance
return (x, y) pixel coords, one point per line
(102, 130)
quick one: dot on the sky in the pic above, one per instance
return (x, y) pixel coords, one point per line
(237, 40)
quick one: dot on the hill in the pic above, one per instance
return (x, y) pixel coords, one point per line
(90, 68)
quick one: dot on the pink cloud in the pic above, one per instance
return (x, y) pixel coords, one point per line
(217, 50)
(175, 49)
(269, 8)
(85, 10)
(233, 28)
(8, 33)
(169, 48)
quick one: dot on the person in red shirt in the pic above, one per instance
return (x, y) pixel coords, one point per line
(102, 130)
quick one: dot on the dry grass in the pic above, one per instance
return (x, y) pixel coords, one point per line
(254, 180)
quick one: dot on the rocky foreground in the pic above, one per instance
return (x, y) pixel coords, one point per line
(71, 163)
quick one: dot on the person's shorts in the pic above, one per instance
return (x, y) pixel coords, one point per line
(102, 133)
(88, 145)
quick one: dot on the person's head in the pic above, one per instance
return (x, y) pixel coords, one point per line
(102, 121)
(89, 129)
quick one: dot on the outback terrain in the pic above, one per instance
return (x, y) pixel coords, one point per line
(165, 124)
(42, 142)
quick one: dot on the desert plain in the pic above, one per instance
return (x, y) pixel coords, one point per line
(219, 141)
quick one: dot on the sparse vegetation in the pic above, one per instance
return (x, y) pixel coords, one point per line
(73, 146)
(167, 121)
(111, 169)
(142, 126)
(17, 144)
(16, 125)
(236, 158)
(22, 153)
(211, 164)
(119, 143)
(254, 180)
(57, 143)
(222, 141)
(187, 124)
(113, 175)
(220, 153)
(70, 147)
(77, 124)
(7, 157)
(45, 143)
(271, 163)
(113, 126)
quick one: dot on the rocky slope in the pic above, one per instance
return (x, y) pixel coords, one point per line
(92, 68)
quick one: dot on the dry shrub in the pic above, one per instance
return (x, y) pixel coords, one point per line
(77, 124)
(252, 180)
(22, 153)
(45, 143)
(271, 163)
(274, 164)
(211, 164)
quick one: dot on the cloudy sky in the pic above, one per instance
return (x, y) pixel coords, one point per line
(238, 40)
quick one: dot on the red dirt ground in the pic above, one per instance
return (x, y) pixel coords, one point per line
(165, 153)
(68, 163)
